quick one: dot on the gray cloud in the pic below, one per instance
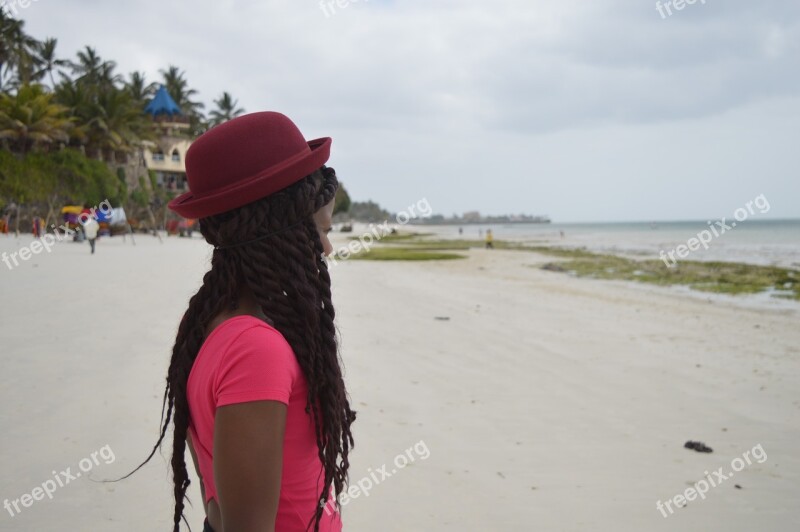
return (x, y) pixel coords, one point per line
(583, 110)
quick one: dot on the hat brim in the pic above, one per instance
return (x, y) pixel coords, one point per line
(261, 185)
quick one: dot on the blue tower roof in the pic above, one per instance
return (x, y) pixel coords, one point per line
(162, 104)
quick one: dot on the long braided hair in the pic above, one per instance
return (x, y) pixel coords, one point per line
(289, 279)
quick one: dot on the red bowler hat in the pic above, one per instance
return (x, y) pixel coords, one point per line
(245, 159)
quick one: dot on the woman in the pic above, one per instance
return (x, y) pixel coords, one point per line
(254, 386)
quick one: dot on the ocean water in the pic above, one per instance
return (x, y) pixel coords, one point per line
(764, 242)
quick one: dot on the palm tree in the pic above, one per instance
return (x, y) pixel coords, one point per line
(107, 77)
(139, 89)
(18, 60)
(10, 34)
(78, 101)
(177, 87)
(106, 122)
(88, 64)
(226, 109)
(30, 118)
(49, 62)
(118, 124)
(108, 117)
(93, 71)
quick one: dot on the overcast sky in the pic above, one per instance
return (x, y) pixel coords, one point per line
(601, 110)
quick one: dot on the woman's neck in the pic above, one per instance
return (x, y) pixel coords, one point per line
(245, 306)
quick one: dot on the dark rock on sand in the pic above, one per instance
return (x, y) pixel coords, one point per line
(698, 446)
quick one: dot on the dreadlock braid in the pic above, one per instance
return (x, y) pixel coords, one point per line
(289, 279)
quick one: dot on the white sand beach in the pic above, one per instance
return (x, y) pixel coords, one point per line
(546, 402)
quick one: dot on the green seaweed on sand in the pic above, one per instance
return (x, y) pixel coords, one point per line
(404, 253)
(717, 277)
(418, 242)
(396, 237)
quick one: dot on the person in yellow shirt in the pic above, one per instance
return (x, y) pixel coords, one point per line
(489, 239)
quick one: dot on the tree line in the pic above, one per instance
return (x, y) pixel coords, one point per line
(68, 125)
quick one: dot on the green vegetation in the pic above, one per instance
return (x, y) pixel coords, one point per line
(30, 119)
(227, 109)
(85, 108)
(397, 237)
(404, 253)
(52, 180)
(416, 246)
(567, 253)
(70, 127)
(716, 277)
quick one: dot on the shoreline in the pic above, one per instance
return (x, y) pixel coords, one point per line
(759, 242)
(762, 283)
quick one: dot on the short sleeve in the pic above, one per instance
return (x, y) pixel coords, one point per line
(258, 365)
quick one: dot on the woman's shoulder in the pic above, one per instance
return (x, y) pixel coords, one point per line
(242, 342)
(246, 359)
(243, 330)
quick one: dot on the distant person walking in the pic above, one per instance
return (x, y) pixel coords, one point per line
(489, 239)
(90, 228)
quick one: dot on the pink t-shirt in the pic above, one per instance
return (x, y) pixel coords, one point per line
(242, 360)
